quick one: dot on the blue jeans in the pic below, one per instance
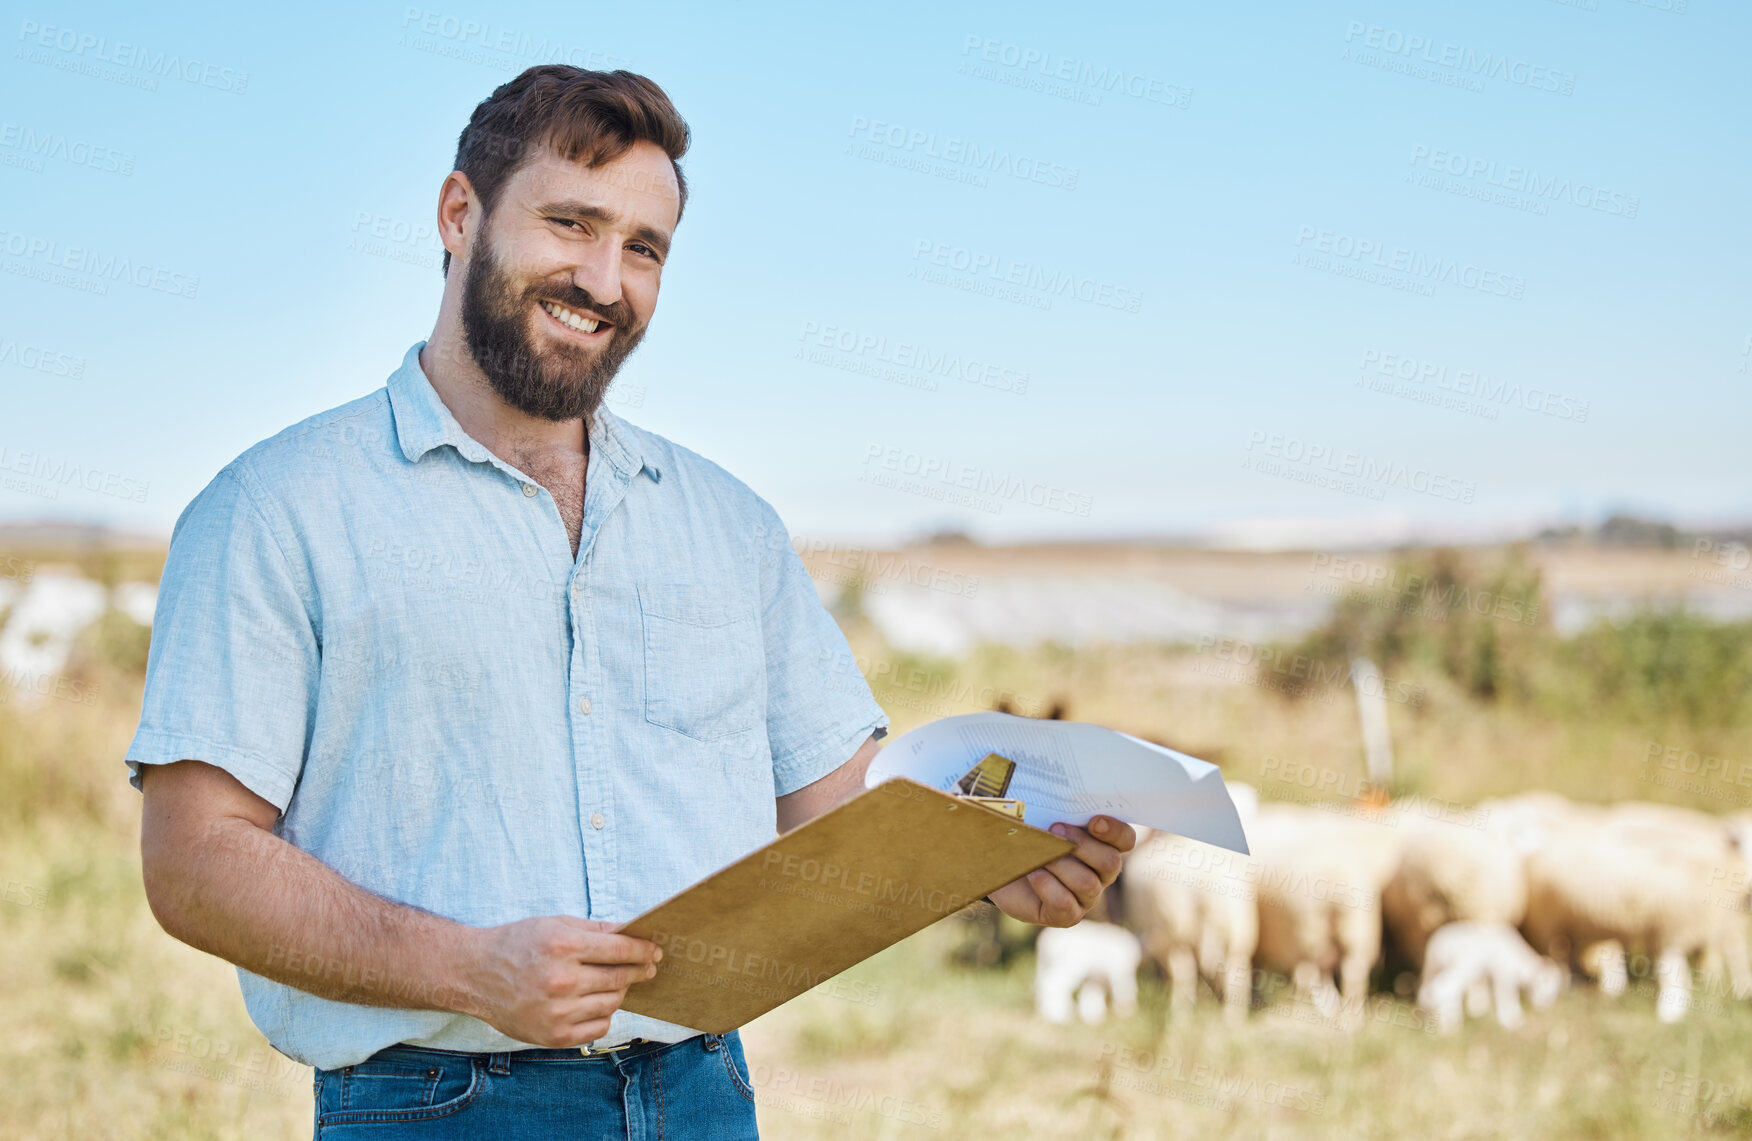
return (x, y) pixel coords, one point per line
(697, 1088)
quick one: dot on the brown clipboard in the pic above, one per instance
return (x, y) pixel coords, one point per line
(825, 896)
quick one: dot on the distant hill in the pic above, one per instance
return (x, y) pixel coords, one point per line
(1633, 531)
(74, 537)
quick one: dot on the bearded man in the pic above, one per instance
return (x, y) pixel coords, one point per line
(449, 682)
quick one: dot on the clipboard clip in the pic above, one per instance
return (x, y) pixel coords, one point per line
(986, 783)
(590, 1051)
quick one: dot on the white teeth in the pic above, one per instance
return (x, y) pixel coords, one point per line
(570, 319)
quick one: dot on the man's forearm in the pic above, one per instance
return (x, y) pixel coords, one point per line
(249, 897)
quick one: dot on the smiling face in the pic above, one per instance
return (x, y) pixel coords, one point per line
(562, 277)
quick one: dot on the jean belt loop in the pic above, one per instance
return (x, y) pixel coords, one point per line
(499, 1063)
(713, 1041)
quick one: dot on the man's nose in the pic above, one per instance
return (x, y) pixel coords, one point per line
(598, 273)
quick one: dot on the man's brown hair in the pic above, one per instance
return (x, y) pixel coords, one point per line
(593, 116)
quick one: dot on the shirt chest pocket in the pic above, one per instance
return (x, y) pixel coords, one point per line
(704, 662)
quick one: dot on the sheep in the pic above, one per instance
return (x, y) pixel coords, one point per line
(1194, 910)
(1479, 962)
(1448, 873)
(1090, 961)
(1526, 821)
(1319, 889)
(1646, 887)
(1527, 818)
(1718, 844)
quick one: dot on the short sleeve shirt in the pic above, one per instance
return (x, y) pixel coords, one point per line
(379, 627)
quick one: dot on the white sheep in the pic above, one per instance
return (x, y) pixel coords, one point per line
(1718, 844)
(1319, 890)
(1482, 963)
(1527, 821)
(1450, 872)
(1194, 910)
(1091, 962)
(1673, 893)
(1528, 818)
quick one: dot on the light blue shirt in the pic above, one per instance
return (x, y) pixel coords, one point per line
(378, 626)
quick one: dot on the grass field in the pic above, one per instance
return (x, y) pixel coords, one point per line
(110, 1029)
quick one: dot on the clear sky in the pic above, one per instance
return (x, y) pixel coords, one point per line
(1023, 269)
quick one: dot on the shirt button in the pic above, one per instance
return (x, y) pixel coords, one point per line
(584, 708)
(529, 491)
(597, 820)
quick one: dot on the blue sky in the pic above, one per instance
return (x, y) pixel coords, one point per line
(1017, 269)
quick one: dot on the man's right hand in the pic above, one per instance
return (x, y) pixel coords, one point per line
(554, 981)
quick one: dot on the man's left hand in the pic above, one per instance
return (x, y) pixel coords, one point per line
(1062, 892)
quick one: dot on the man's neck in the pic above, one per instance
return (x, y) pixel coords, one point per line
(483, 413)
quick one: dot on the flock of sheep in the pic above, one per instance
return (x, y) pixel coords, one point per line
(1512, 898)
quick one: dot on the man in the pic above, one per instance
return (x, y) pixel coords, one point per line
(449, 682)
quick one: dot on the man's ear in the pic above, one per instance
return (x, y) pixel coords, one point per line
(459, 215)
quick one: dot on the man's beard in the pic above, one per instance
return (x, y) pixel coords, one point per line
(558, 381)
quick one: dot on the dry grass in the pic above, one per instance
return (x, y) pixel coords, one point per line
(109, 1029)
(962, 1055)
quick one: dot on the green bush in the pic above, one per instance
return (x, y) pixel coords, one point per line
(1483, 627)
(1657, 666)
(1438, 611)
(115, 641)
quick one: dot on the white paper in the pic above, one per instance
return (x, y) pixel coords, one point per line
(1070, 771)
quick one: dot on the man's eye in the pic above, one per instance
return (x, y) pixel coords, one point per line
(573, 222)
(646, 250)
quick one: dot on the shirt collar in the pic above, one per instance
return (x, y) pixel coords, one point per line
(422, 423)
